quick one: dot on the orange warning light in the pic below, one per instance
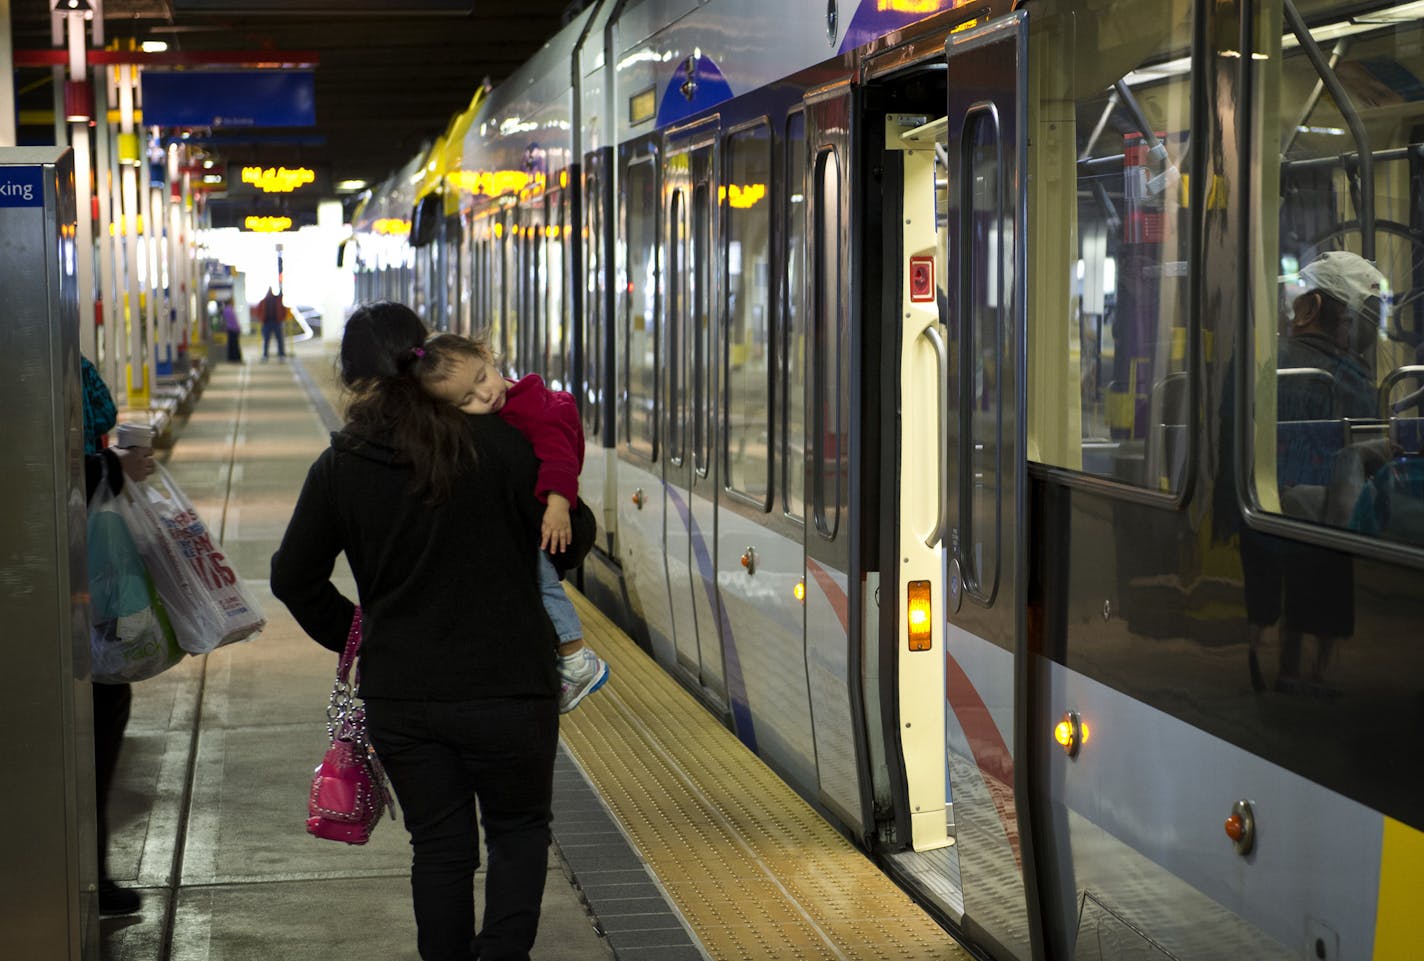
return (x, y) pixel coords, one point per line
(918, 615)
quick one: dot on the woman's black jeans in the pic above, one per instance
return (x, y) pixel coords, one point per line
(441, 756)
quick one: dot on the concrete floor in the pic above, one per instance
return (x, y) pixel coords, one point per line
(208, 815)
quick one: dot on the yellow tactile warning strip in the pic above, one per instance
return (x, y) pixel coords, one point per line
(755, 871)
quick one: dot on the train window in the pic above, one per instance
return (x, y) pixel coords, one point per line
(640, 308)
(793, 333)
(531, 245)
(830, 401)
(1108, 388)
(677, 287)
(507, 230)
(701, 328)
(747, 214)
(1338, 435)
(555, 311)
(988, 238)
(593, 343)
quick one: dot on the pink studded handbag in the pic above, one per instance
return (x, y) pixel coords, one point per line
(349, 791)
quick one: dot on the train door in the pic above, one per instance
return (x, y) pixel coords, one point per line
(761, 553)
(834, 592)
(690, 471)
(984, 580)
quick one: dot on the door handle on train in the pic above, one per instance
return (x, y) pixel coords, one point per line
(638, 498)
(936, 339)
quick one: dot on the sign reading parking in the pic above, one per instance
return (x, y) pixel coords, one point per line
(21, 186)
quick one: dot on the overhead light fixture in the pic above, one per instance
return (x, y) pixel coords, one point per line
(153, 46)
(351, 185)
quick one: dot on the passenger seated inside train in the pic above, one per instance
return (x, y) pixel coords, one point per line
(1323, 379)
(1345, 456)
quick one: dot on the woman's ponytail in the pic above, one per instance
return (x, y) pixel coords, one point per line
(383, 361)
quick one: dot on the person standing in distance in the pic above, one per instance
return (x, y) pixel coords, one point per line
(274, 319)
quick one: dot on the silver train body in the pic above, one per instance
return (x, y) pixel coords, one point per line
(925, 353)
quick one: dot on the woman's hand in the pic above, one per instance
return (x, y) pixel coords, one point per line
(136, 462)
(556, 530)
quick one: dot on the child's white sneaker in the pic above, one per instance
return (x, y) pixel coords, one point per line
(580, 674)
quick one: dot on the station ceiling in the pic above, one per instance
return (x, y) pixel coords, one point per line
(389, 75)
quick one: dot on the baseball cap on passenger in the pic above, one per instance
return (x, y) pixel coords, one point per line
(1349, 278)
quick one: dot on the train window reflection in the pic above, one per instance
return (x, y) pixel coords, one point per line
(1339, 416)
(677, 288)
(593, 345)
(793, 339)
(829, 416)
(640, 315)
(701, 329)
(987, 244)
(1109, 392)
(556, 317)
(748, 355)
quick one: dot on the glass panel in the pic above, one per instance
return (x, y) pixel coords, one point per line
(677, 285)
(640, 317)
(701, 304)
(556, 318)
(829, 412)
(593, 345)
(793, 394)
(1109, 388)
(748, 219)
(534, 320)
(510, 291)
(1339, 433)
(986, 249)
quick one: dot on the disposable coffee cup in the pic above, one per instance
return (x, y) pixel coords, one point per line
(133, 435)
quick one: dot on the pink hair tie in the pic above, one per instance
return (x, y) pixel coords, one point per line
(418, 351)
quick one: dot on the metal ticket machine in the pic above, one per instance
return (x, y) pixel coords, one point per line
(48, 870)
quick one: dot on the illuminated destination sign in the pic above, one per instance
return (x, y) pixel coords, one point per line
(268, 225)
(277, 180)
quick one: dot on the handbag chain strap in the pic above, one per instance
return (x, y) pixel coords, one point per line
(343, 714)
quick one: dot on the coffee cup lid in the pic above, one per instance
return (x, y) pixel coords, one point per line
(134, 435)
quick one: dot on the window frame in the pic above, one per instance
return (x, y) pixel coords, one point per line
(827, 340)
(1255, 516)
(767, 500)
(647, 450)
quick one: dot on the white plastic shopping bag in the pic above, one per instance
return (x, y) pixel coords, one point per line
(203, 594)
(130, 638)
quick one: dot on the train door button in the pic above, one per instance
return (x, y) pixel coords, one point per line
(955, 587)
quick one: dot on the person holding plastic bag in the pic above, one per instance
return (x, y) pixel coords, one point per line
(201, 592)
(132, 637)
(108, 469)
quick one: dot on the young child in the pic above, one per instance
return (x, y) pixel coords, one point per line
(462, 372)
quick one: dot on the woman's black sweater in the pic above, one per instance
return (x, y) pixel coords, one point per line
(449, 592)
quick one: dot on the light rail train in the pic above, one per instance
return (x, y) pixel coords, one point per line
(931, 358)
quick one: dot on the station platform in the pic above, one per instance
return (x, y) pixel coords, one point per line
(672, 842)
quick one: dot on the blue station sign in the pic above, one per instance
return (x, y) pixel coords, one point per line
(229, 98)
(21, 186)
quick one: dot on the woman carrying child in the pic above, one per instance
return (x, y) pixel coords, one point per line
(436, 514)
(462, 372)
